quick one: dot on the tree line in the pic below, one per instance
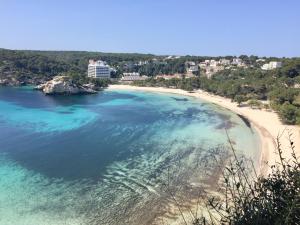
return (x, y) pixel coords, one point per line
(281, 87)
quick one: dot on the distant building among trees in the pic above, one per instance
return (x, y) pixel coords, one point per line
(98, 69)
(271, 65)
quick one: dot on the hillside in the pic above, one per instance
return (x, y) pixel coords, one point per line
(280, 87)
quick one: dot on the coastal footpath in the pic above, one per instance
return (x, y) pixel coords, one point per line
(266, 123)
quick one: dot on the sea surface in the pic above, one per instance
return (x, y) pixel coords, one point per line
(108, 158)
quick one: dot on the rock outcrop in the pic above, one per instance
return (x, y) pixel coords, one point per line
(65, 86)
(8, 79)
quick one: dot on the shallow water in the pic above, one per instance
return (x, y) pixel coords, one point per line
(102, 159)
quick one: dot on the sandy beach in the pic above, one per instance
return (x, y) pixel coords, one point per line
(266, 123)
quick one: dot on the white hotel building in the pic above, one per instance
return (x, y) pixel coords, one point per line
(272, 65)
(98, 69)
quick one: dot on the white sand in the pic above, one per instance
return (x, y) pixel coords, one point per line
(266, 123)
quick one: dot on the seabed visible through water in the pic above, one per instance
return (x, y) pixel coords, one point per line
(109, 158)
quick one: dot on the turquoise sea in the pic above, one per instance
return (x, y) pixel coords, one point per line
(108, 158)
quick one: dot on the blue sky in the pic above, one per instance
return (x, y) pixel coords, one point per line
(195, 27)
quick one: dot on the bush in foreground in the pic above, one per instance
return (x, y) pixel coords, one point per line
(249, 199)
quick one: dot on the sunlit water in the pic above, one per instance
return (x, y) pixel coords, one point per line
(103, 159)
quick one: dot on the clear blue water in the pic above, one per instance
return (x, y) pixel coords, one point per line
(102, 159)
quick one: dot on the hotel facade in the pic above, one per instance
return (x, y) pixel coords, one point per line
(98, 69)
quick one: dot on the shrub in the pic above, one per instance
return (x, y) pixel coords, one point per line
(252, 200)
(288, 113)
(253, 103)
(266, 106)
(239, 99)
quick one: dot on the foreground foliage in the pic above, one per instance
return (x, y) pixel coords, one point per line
(249, 200)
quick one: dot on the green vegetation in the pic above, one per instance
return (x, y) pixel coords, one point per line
(50, 63)
(255, 104)
(80, 79)
(252, 200)
(281, 87)
(239, 99)
(249, 200)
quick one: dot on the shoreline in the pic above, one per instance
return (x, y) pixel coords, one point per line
(266, 123)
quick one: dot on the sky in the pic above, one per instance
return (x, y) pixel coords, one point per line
(166, 27)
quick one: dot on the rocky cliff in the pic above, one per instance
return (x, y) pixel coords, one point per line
(65, 85)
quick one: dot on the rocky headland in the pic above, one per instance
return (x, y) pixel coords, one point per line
(63, 85)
